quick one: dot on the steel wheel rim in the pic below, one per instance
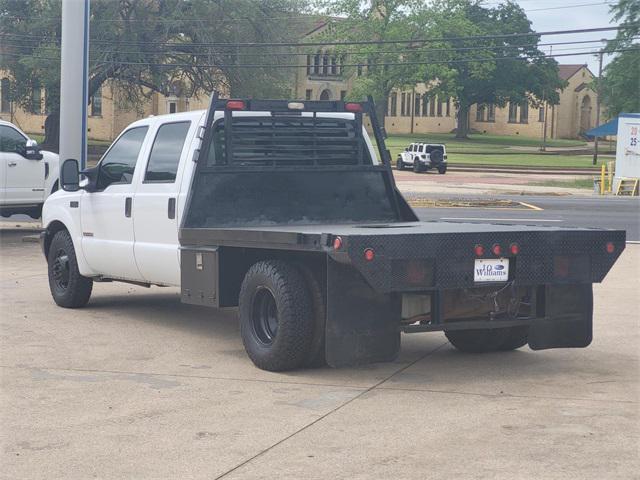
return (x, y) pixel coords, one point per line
(60, 269)
(264, 316)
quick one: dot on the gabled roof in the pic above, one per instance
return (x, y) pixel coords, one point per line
(568, 71)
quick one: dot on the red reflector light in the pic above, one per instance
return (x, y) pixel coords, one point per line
(496, 249)
(479, 250)
(235, 105)
(514, 248)
(353, 107)
(369, 254)
(337, 243)
(610, 247)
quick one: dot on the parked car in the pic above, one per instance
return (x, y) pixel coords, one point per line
(27, 174)
(422, 157)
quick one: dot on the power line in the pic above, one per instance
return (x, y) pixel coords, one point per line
(343, 52)
(569, 6)
(366, 42)
(370, 65)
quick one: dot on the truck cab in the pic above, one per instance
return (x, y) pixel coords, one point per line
(27, 174)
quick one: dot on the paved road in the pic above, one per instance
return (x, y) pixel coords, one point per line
(599, 212)
(139, 386)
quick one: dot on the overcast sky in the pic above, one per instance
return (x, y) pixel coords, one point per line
(591, 14)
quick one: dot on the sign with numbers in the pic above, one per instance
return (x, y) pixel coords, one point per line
(628, 151)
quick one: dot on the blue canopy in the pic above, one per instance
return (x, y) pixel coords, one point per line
(605, 130)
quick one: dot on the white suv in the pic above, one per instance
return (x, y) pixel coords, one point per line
(422, 157)
(27, 175)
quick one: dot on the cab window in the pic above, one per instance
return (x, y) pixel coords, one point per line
(119, 163)
(11, 141)
(166, 151)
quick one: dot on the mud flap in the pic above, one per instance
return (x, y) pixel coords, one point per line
(568, 318)
(362, 325)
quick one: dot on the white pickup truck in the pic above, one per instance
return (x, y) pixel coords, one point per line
(286, 210)
(27, 175)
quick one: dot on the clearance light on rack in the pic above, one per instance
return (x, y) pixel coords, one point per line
(235, 105)
(337, 243)
(514, 248)
(478, 250)
(496, 249)
(610, 247)
(353, 107)
(369, 254)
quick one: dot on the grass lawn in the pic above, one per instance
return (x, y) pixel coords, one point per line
(585, 183)
(482, 149)
(527, 160)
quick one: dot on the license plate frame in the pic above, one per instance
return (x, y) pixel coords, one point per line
(491, 270)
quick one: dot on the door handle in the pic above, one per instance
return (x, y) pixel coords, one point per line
(127, 207)
(12, 164)
(171, 208)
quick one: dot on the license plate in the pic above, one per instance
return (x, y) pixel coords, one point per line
(491, 270)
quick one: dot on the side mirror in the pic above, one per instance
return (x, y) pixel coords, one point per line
(31, 151)
(70, 175)
(406, 149)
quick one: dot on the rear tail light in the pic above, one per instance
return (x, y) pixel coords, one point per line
(496, 249)
(369, 254)
(514, 248)
(235, 105)
(478, 250)
(353, 107)
(337, 243)
(610, 247)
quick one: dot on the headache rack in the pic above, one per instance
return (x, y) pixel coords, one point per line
(291, 133)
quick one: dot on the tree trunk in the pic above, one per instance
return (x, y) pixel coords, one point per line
(51, 140)
(463, 122)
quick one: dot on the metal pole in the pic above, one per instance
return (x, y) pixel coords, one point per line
(599, 89)
(74, 80)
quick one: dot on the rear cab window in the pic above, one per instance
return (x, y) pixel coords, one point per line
(166, 152)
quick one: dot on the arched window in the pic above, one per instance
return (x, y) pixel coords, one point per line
(325, 95)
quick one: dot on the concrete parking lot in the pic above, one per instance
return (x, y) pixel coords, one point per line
(138, 386)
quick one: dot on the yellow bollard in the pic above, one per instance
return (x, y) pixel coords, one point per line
(610, 175)
(602, 173)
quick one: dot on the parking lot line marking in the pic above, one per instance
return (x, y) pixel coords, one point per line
(501, 219)
(532, 207)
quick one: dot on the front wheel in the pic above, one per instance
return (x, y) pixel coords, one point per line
(68, 288)
(417, 168)
(399, 164)
(488, 340)
(276, 316)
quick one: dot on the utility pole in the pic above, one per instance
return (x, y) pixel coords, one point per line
(74, 81)
(543, 148)
(599, 90)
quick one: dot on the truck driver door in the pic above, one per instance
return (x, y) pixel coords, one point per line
(106, 215)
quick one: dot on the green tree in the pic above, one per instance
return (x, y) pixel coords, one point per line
(620, 87)
(378, 20)
(135, 42)
(494, 70)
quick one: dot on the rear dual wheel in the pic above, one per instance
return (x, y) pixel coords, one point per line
(281, 316)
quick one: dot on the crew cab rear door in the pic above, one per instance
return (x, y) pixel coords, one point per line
(155, 207)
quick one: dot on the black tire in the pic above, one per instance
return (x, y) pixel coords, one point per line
(488, 340)
(316, 357)
(416, 166)
(68, 288)
(399, 164)
(442, 169)
(276, 316)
